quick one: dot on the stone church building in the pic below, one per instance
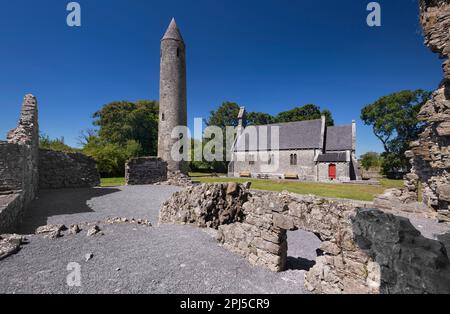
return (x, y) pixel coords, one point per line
(306, 151)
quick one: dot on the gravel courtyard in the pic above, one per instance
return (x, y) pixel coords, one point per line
(131, 258)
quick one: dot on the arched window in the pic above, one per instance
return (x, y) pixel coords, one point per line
(293, 159)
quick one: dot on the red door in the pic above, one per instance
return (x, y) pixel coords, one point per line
(332, 171)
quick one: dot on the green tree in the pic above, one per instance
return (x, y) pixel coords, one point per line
(259, 118)
(370, 160)
(45, 142)
(306, 112)
(111, 157)
(225, 115)
(120, 122)
(394, 122)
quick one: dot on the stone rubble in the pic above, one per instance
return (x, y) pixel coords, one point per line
(206, 205)
(94, 230)
(10, 244)
(118, 220)
(177, 179)
(74, 229)
(51, 231)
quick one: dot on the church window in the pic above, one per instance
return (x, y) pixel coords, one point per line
(293, 159)
(251, 159)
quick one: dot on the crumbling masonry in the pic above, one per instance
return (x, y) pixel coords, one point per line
(24, 168)
(430, 154)
(19, 175)
(364, 251)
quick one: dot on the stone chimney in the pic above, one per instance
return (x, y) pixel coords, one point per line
(353, 135)
(323, 134)
(242, 120)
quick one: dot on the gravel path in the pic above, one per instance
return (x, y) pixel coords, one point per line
(138, 259)
(131, 258)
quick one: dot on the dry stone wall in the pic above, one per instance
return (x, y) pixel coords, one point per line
(255, 225)
(58, 170)
(145, 170)
(19, 166)
(24, 168)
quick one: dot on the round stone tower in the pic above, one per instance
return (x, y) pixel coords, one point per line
(172, 99)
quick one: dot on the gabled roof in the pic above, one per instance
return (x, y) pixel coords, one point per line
(173, 32)
(332, 157)
(292, 135)
(339, 138)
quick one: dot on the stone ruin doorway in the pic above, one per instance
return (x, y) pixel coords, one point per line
(303, 249)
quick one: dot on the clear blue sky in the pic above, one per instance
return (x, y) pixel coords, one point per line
(267, 55)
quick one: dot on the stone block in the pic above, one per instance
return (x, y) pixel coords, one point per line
(283, 221)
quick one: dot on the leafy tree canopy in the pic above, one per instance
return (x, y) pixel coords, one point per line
(306, 112)
(45, 142)
(259, 118)
(371, 160)
(394, 122)
(120, 122)
(225, 115)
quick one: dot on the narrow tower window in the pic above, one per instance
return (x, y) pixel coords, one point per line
(178, 52)
(162, 117)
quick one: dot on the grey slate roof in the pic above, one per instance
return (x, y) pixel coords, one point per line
(173, 32)
(292, 135)
(332, 157)
(339, 138)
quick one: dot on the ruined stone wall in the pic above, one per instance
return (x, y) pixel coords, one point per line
(58, 170)
(19, 165)
(355, 259)
(12, 165)
(11, 211)
(430, 155)
(145, 170)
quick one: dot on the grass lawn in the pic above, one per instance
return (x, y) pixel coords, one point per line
(108, 182)
(351, 191)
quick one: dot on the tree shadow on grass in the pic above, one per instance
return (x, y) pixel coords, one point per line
(51, 203)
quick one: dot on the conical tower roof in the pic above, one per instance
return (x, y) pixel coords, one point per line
(173, 32)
